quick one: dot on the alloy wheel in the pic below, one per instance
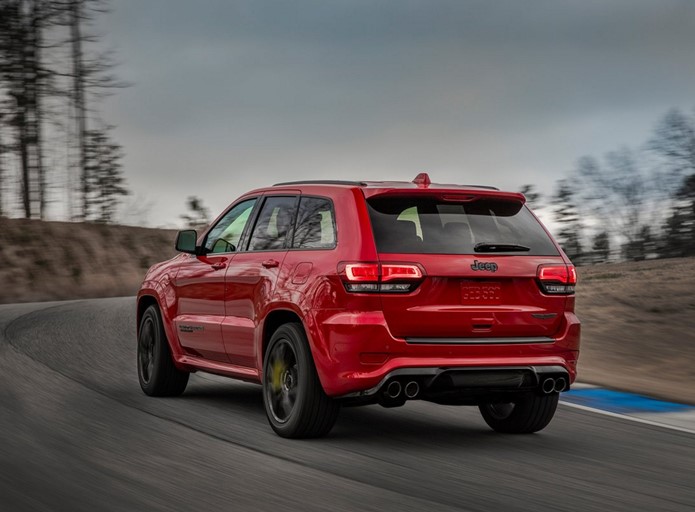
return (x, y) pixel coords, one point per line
(282, 381)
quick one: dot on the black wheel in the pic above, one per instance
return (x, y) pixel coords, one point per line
(156, 371)
(294, 400)
(529, 413)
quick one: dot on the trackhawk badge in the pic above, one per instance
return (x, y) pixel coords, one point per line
(479, 265)
(190, 328)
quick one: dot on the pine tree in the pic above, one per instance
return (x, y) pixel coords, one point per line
(679, 230)
(199, 215)
(533, 197)
(106, 181)
(601, 247)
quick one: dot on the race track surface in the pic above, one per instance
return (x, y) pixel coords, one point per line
(78, 434)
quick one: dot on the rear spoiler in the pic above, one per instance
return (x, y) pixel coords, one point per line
(447, 194)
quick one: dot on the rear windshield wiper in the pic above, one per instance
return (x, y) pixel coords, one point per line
(488, 247)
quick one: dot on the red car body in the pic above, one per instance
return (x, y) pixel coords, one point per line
(483, 310)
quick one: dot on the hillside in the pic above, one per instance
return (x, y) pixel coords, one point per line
(64, 260)
(638, 326)
(638, 319)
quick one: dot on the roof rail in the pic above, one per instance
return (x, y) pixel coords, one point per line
(322, 182)
(365, 183)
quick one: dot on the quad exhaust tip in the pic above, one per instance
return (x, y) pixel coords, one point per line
(393, 390)
(412, 389)
(551, 385)
(548, 385)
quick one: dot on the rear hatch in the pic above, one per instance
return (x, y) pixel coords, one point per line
(488, 268)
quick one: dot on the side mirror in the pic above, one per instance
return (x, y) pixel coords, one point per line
(186, 240)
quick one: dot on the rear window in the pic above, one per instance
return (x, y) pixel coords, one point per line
(429, 225)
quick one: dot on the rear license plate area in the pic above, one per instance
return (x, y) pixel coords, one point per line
(478, 293)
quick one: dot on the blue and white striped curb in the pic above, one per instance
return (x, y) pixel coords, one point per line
(631, 406)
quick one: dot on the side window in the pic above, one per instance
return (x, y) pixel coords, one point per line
(273, 224)
(226, 234)
(315, 224)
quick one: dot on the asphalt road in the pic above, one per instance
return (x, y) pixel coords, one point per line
(76, 433)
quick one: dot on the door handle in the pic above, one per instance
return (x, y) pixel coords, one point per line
(218, 266)
(271, 263)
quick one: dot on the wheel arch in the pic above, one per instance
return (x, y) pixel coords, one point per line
(283, 314)
(150, 297)
(144, 302)
(272, 321)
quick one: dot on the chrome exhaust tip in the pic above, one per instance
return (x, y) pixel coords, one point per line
(393, 390)
(412, 389)
(548, 385)
(560, 384)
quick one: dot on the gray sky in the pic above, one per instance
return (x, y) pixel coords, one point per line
(229, 95)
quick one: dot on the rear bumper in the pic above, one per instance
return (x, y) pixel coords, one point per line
(503, 378)
(356, 354)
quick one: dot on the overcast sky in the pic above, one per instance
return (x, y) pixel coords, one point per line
(228, 95)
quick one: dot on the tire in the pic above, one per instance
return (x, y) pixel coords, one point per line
(527, 414)
(295, 403)
(156, 371)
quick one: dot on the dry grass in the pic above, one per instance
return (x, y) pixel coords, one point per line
(638, 319)
(638, 326)
(62, 260)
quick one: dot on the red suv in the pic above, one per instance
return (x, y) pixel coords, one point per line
(333, 293)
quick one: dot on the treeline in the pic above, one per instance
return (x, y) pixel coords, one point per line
(52, 78)
(632, 204)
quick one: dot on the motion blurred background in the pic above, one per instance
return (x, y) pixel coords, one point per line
(123, 120)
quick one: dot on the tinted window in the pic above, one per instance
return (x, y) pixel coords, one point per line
(315, 224)
(432, 226)
(273, 224)
(225, 235)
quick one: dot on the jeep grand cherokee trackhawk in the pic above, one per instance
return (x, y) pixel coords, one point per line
(333, 293)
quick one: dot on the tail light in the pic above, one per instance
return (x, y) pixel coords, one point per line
(557, 279)
(380, 277)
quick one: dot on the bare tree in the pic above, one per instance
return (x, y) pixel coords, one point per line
(75, 8)
(90, 77)
(673, 142)
(20, 38)
(31, 85)
(568, 217)
(28, 82)
(4, 150)
(616, 195)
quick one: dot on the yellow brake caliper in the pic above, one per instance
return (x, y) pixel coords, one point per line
(276, 372)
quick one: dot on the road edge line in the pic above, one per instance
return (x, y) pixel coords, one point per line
(628, 417)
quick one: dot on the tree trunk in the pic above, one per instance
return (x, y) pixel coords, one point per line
(79, 102)
(38, 90)
(2, 164)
